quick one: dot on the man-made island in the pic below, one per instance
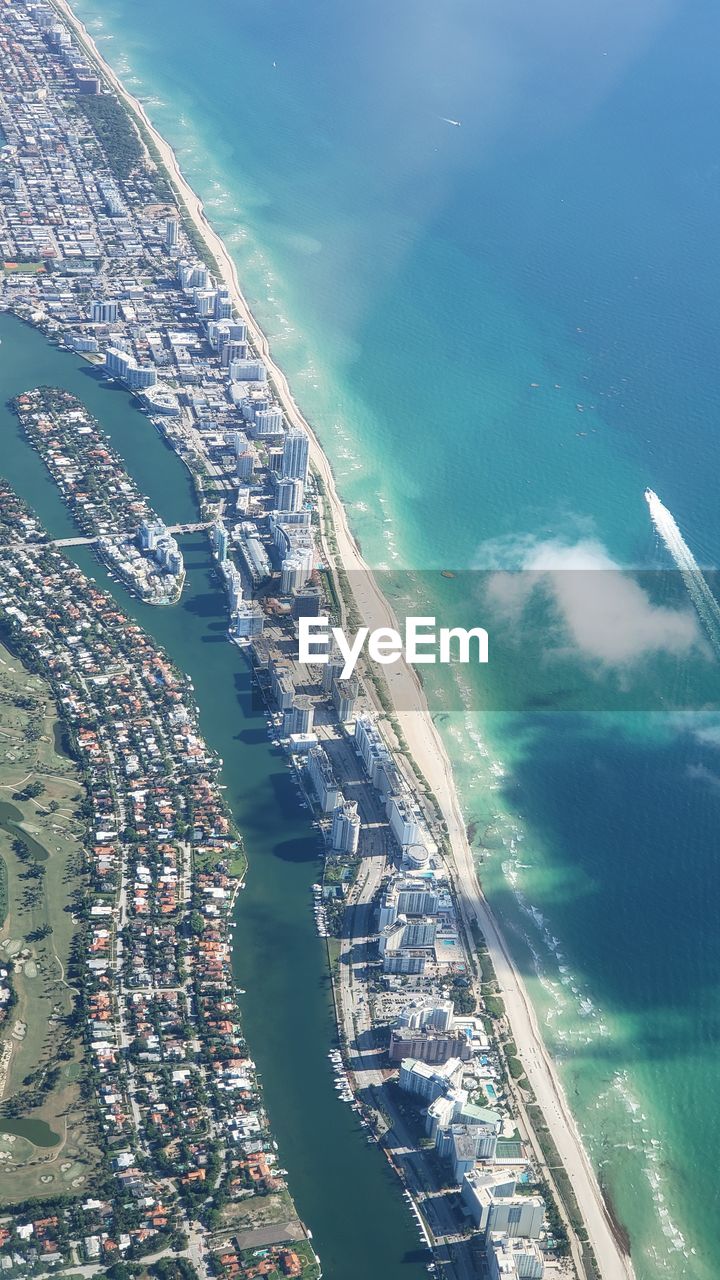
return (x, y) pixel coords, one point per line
(103, 499)
(108, 252)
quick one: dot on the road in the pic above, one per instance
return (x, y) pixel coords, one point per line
(108, 537)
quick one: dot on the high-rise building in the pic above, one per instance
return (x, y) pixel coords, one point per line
(428, 1046)
(268, 422)
(281, 685)
(83, 342)
(416, 898)
(242, 500)
(289, 494)
(246, 462)
(510, 1259)
(220, 541)
(139, 376)
(151, 531)
(420, 932)
(247, 621)
(232, 349)
(390, 938)
(59, 37)
(296, 454)
(204, 301)
(331, 672)
(289, 526)
(223, 305)
(407, 898)
(344, 697)
(172, 233)
(111, 196)
(455, 1109)
(193, 275)
(255, 401)
(87, 83)
(170, 556)
(296, 568)
(436, 1015)
(345, 830)
(249, 369)
(415, 857)
(104, 312)
(116, 362)
(233, 578)
(307, 603)
(405, 821)
(155, 538)
(321, 776)
(494, 1205)
(218, 331)
(426, 1081)
(174, 561)
(253, 553)
(298, 718)
(373, 751)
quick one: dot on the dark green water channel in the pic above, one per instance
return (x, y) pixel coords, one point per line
(36, 1131)
(10, 818)
(342, 1186)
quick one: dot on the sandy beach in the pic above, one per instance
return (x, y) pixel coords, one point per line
(424, 742)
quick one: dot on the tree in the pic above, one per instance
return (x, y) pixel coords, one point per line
(174, 1269)
(119, 1271)
(31, 791)
(20, 848)
(197, 923)
(38, 934)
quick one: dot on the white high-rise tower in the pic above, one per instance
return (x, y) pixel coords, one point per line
(296, 454)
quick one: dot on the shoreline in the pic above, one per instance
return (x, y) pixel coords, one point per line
(424, 744)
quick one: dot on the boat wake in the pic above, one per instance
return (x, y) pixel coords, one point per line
(702, 597)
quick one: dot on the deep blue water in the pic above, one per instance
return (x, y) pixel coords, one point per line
(417, 279)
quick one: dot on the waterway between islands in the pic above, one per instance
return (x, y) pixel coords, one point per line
(343, 1187)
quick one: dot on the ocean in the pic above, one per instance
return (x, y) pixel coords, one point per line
(503, 332)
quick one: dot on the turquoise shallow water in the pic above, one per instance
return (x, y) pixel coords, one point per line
(417, 280)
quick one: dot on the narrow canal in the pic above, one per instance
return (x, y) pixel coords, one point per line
(342, 1185)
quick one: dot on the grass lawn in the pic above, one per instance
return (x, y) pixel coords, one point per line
(23, 268)
(39, 1059)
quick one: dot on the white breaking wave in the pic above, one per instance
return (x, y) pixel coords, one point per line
(702, 597)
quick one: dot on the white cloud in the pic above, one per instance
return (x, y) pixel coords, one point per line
(702, 774)
(603, 612)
